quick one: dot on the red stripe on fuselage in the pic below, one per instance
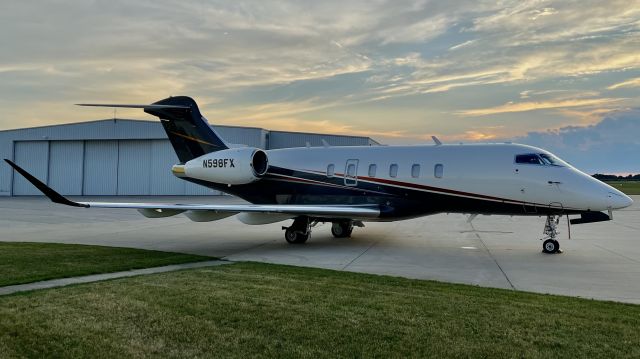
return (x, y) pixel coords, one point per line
(440, 190)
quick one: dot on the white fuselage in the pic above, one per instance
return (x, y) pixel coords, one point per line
(486, 171)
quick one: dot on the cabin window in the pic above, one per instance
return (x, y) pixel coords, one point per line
(393, 170)
(415, 171)
(372, 170)
(351, 170)
(531, 159)
(331, 169)
(438, 170)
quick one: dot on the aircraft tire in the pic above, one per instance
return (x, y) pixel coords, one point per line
(551, 246)
(295, 237)
(341, 229)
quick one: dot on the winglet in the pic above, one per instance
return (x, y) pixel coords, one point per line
(47, 191)
(436, 140)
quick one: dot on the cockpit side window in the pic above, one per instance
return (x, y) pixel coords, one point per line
(530, 159)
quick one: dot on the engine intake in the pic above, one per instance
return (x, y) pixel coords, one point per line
(233, 166)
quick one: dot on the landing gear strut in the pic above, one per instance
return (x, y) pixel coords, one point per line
(299, 231)
(551, 244)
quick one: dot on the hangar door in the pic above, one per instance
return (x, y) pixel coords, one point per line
(33, 156)
(134, 167)
(65, 166)
(100, 168)
(163, 182)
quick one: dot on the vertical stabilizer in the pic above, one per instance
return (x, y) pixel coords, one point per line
(188, 131)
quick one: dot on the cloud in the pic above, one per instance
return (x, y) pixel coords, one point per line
(533, 21)
(626, 84)
(461, 45)
(394, 69)
(611, 145)
(542, 105)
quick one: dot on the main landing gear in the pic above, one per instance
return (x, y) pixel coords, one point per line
(551, 244)
(299, 231)
(342, 229)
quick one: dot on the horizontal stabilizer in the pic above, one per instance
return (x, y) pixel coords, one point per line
(151, 107)
(591, 217)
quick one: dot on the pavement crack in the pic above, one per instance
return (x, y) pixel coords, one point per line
(492, 257)
(616, 253)
(246, 250)
(360, 255)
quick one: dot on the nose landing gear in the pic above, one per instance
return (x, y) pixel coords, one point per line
(551, 244)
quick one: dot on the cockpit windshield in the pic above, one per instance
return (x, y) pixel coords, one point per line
(549, 160)
(540, 159)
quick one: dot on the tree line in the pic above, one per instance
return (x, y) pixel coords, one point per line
(604, 177)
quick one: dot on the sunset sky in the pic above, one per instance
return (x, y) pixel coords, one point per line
(563, 75)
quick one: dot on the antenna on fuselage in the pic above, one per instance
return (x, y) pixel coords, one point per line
(436, 140)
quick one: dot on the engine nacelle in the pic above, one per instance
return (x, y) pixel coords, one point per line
(233, 166)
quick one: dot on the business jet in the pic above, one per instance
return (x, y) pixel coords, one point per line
(347, 186)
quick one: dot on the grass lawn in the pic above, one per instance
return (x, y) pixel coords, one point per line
(30, 262)
(627, 187)
(263, 310)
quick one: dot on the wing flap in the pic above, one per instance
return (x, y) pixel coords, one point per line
(346, 211)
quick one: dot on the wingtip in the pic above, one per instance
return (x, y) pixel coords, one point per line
(46, 190)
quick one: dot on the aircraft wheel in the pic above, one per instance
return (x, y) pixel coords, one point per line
(295, 237)
(341, 229)
(551, 246)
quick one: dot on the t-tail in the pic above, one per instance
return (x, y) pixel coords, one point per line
(189, 132)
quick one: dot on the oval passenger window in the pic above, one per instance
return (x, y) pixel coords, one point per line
(330, 170)
(438, 170)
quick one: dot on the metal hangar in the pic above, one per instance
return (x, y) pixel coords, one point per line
(123, 157)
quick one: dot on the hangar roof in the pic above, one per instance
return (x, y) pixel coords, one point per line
(143, 129)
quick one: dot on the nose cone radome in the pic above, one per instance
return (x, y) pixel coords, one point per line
(618, 200)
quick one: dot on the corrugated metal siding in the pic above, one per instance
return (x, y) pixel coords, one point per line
(280, 139)
(134, 167)
(163, 157)
(33, 156)
(6, 173)
(100, 168)
(66, 159)
(254, 137)
(192, 189)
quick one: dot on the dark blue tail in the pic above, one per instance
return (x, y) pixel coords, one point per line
(188, 131)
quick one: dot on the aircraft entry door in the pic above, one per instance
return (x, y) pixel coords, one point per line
(351, 173)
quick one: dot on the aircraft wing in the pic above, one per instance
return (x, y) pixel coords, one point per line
(163, 210)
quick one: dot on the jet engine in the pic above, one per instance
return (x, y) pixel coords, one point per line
(233, 166)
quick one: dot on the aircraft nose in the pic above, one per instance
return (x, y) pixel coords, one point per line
(619, 200)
